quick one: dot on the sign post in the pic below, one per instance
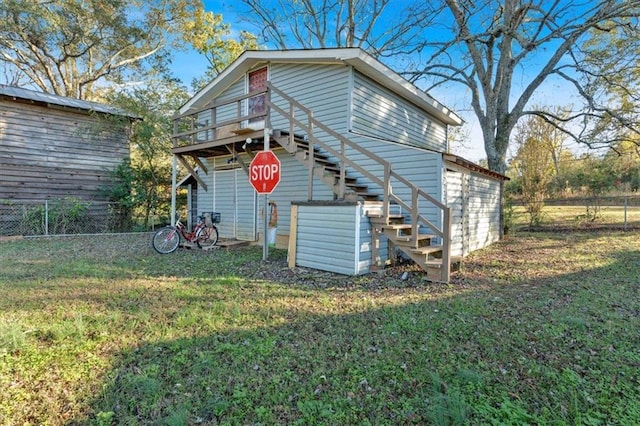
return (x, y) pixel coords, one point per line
(264, 176)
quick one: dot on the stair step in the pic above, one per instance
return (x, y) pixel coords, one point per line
(398, 227)
(408, 238)
(356, 186)
(368, 196)
(426, 249)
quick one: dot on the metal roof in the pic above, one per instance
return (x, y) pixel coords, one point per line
(49, 99)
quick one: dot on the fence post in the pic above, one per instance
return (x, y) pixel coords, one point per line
(625, 212)
(46, 217)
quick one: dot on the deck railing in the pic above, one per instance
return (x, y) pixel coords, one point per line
(202, 125)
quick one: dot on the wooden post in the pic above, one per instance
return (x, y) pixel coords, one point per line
(415, 212)
(386, 192)
(174, 183)
(293, 236)
(310, 147)
(292, 114)
(446, 245)
(343, 171)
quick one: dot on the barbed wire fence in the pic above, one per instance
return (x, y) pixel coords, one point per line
(63, 217)
(615, 212)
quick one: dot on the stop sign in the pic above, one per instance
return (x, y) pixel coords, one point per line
(264, 172)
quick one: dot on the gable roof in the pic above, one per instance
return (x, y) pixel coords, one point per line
(355, 57)
(48, 100)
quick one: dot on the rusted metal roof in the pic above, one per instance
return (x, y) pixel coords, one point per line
(48, 99)
(455, 159)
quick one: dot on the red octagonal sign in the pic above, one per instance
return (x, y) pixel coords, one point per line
(264, 172)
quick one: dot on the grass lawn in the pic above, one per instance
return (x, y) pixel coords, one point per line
(574, 217)
(538, 329)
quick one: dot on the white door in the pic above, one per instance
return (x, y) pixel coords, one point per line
(235, 199)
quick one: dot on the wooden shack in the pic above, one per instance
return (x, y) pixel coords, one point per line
(54, 147)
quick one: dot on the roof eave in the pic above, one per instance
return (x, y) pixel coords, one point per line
(469, 165)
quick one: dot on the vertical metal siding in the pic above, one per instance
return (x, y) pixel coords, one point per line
(246, 198)
(225, 202)
(484, 211)
(379, 113)
(205, 198)
(455, 201)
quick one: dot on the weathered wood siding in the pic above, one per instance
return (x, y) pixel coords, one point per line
(49, 153)
(379, 113)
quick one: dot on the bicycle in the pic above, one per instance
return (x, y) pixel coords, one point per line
(166, 240)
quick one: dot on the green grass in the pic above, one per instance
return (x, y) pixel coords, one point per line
(574, 217)
(537, 329)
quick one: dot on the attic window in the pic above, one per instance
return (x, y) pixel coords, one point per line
(257, 81)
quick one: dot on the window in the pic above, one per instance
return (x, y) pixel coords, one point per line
(257, 81)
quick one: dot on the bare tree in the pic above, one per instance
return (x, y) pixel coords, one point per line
(319, 23)
(502, 51)
(609, 64)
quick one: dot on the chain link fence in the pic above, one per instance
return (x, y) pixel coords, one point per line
(62, 217)
(615, 212)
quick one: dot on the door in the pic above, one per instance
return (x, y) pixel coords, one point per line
(235, 199)
(257, 80)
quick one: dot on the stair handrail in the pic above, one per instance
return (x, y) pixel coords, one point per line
(385, 184)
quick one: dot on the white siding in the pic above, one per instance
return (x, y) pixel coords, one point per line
(327, 238)
(421, 167)
(205, 198)
(231, 194)
(456, 200)
(379, 113)
(246, 208)
(484, 211)
(225, 202)
(322, 88)
(474, 200)
(230, 112)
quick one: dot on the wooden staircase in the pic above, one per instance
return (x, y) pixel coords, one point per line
(403, 231)
(325, 169)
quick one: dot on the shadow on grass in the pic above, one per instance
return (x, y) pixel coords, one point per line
(554, 350)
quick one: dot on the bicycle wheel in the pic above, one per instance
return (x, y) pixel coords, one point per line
(209, 236)
(166, 240)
